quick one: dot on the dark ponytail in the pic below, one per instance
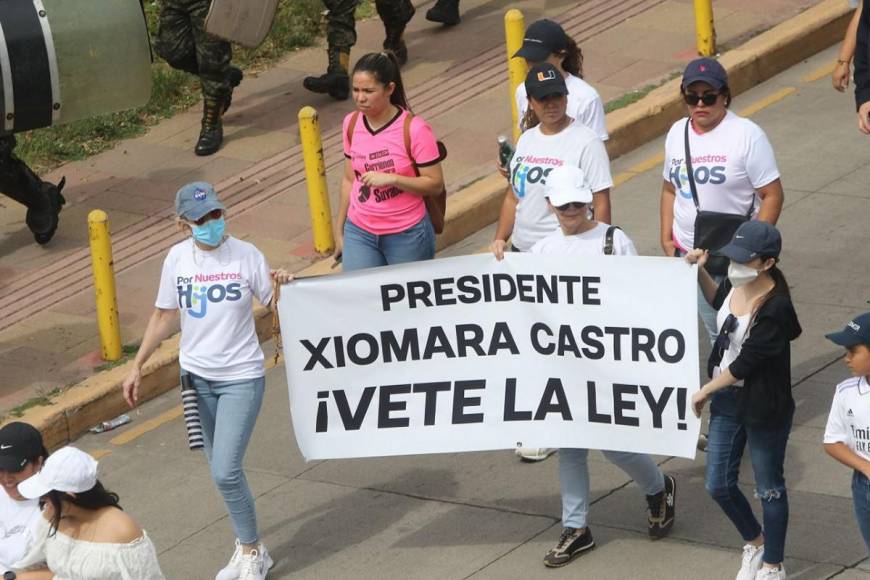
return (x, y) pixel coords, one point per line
(780, 285)
(573, 61)
(384, 67)
(93, 499)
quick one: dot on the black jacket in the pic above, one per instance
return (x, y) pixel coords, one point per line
(862, 57)
(764, 362)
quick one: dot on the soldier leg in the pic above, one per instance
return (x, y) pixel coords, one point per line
(445, 12)
(213, 57)
(43, 200)
(340, 36)
(174, 41)
(395, 14)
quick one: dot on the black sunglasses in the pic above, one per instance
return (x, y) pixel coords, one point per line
(723, 342)
(708, 99)
(570, 204)
(212, 215)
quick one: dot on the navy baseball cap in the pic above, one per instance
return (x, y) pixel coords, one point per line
(857, 332)
(543, 80)
(19, 443)
(543, 38)
(753, 239)
(705, 70)
(195, 200)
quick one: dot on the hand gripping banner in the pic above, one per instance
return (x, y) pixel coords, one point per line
(470, 354)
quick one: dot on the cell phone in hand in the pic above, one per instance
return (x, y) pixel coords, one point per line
(336, 262)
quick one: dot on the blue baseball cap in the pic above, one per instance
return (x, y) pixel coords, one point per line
(195, 200)
(706, 70)
(857, 332)
(753, 239)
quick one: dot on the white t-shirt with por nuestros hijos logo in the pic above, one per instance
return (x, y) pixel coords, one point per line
(214, 291)
(730, 163)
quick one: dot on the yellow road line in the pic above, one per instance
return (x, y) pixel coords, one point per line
(823, 71)
(767, 101)
(100, 453)
(656, 160)
(149, 425)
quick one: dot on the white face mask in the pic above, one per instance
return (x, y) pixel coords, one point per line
(741, 274)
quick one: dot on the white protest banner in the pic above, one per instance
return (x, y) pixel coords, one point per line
(468, 354)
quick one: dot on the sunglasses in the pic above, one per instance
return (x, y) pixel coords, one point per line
(692, 99)
(570, 204)
(723, 342)
(212, 215)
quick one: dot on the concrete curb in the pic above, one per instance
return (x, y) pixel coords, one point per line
(98, 398)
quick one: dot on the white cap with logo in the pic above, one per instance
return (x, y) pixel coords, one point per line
(566, 184)
(67, 469)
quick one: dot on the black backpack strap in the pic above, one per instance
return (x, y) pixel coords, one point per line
(608, 240)
(689, 171)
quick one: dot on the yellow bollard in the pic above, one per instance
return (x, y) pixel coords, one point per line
(104, 284)
(315, 176)
(704, 29)
(514, 31)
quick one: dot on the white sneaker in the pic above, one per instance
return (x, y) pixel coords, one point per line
(535, 453)
(255, 566)
(771, 573)
(233, 570)
(751, 562)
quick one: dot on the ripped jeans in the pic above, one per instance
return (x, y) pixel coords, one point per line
(728, 437)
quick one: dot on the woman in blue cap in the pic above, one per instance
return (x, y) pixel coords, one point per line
(719, 169)
(750, 391)
(212, 279)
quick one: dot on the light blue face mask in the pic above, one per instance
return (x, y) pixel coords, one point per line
(210, 233)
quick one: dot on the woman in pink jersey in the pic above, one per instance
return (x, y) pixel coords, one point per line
(382, 216)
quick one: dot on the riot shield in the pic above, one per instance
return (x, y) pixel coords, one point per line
(246, 22)
(61, 61)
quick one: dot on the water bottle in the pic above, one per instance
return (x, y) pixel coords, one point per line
(109, 425)
(505, 151)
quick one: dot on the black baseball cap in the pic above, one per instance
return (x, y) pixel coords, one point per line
(543, 80)
(753, 239)
(857, 332)
(543, 38)
(705, 70)
(19, 443)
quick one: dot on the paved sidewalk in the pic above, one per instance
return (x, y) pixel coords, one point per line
(486, 515)
(457, 80)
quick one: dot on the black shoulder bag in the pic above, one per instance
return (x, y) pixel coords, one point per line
(713, 229)
(608, 240)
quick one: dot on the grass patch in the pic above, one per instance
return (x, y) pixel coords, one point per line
(42, 400)
(297, 24)
(127, 351)
(632, 97)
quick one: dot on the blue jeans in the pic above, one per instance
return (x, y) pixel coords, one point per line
(574, 480)
(363, 249)
(228, 411)
(861, 501)
(727, 438)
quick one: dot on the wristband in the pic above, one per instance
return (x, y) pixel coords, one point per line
(845, 62)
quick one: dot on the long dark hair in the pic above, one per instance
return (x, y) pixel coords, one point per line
(93, 499)
(573, 61)
(384, 67)
(780, 285)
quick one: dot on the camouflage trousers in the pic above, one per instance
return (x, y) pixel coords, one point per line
(183, 43)
(341, 27)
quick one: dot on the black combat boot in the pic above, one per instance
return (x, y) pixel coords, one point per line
(43, 224)
(234, 75)
(445, 11)
(212, 134)
(335, 82)
(394, 40)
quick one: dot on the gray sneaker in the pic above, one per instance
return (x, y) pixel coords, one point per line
(572, 543)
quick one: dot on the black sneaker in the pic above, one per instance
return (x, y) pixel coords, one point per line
(662, 509)
(572, 543)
